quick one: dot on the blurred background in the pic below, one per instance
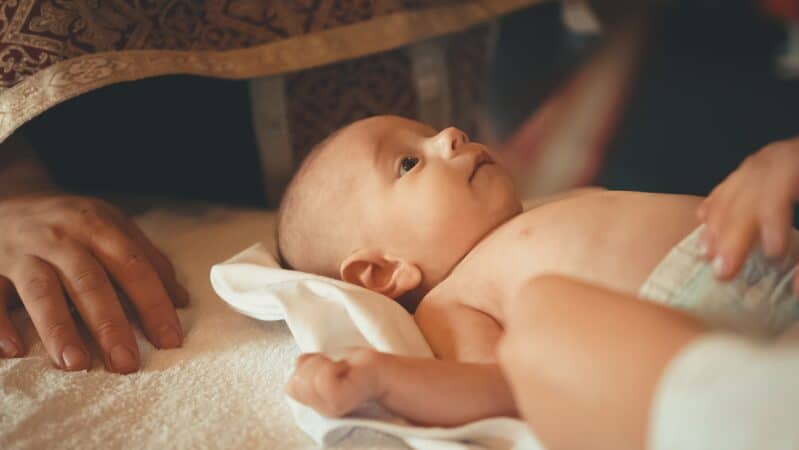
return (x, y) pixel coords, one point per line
(664, 96)
(697, 86)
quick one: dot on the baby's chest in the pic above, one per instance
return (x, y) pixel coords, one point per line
(620, 259)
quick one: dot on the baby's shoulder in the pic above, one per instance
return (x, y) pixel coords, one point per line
(457, 331)
(535, 202)
(441, 296)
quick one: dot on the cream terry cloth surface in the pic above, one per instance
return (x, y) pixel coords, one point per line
(327, 315)
(222, 390)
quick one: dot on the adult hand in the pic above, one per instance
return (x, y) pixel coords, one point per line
(756, 202)
(55, 249)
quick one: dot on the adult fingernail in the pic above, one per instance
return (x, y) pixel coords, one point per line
(74, 358)
(718, 266)
(703, 248)
(122, 359)
(169, 337)
(8, 348)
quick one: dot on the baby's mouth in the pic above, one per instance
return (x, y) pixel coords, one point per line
(480, 160)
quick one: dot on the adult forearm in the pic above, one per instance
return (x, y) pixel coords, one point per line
(21, 171)
(443, 393)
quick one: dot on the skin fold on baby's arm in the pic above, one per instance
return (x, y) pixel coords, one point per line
(464, 385)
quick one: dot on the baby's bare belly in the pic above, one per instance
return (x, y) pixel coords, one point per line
(611, 238)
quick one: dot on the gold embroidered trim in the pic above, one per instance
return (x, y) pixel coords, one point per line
(73, 77)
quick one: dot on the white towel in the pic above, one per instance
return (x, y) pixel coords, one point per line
(222, 390)
(327, 315)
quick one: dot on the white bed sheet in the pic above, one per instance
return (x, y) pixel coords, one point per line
(222, 389)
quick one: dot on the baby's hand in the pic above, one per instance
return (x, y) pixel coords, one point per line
(336, 388)
(755, 201)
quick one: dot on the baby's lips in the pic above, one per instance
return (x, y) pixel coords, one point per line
(480, 160)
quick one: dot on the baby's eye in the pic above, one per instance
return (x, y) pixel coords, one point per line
(407, 163)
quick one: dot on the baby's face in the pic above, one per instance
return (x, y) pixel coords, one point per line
(427, 196)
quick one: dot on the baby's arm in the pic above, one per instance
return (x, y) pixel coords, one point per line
(458, 332)
(425, 391)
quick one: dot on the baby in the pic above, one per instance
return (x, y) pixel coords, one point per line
(432, 220)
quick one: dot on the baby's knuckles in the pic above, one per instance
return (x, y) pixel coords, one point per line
(335, 401)
(341, 391)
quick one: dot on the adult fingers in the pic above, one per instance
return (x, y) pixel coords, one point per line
(10, 342)
(709, 204)
(166, 271)
(707, 243)
(733, 246)
(129, 266)
(162, 265)
(730, 230)
(776, 221)
(702, 211)
(94, 296)
(796, 281)
(716, 211)
(40, 291)
(715, 224)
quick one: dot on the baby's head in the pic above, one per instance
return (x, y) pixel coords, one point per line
(392, 205)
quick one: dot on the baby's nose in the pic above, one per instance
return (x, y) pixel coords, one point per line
(450, 140)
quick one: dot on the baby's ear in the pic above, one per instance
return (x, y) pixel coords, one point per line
(381, 273)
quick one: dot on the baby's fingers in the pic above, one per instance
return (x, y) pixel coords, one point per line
(335, 390)
(317, 383)
(300, 386)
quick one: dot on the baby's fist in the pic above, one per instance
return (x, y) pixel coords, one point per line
(336, 388)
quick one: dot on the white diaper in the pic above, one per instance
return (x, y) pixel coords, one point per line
(760, 300)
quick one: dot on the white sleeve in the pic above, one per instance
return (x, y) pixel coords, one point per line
(728, 392)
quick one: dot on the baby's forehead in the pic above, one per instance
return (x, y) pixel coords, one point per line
(354, 150)
(361, 140)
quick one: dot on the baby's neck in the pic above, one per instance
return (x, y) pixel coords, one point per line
(445, 283)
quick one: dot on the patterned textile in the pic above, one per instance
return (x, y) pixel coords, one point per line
(53, 50)
(324, 100)
(39, 33)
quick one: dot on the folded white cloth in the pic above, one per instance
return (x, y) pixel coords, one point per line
(327, 315)
(222, 390)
